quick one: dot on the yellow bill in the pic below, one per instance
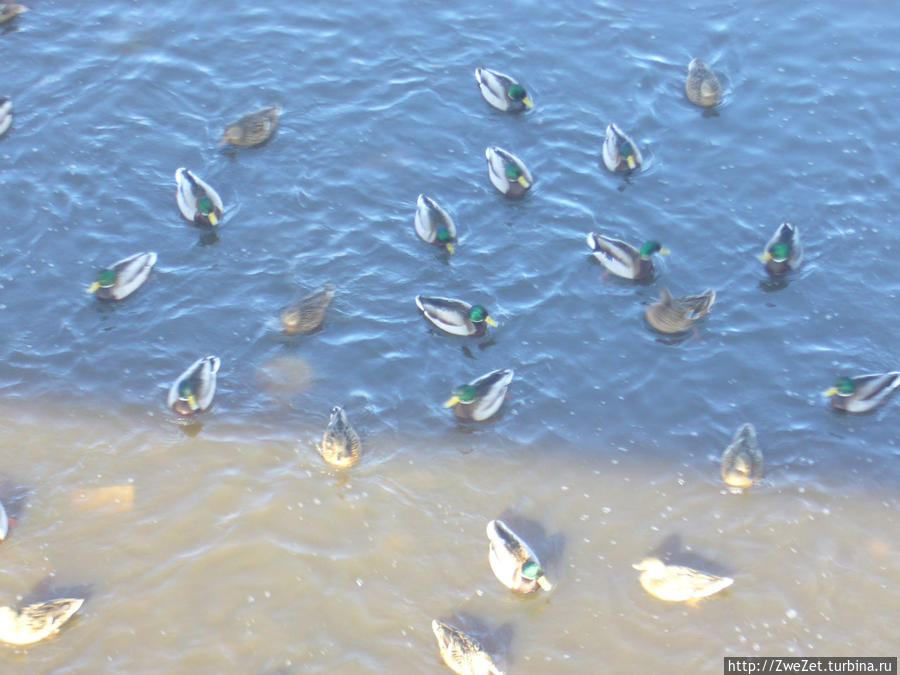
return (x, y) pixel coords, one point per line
(544, 583)
(664, 250)
(527, 102)
(452, 401)
(450, 248)
(631, 162)
(830, 392)
(765, 256)
(490, 322)
(93, 287)
(192, 402)
(213, 219)
(523, 181)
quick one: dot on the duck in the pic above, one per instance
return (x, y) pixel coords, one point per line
(676, 315)
(502, 91)
(36, 622)
(340, 443)
(512, 560)
(197, 201)
(433, 224)
(123, 277)
(619, 151)
(677, 583)
(702, 86)
(507, 172)
(481, 399)
(8, 10)
(784, 252)
(455, 316)
(253, 128)
(194, 389)
(5, 114)
(742, 461)
(461, 652)
(863, 392)
(622, 259)
(4, 523)
(308, 313)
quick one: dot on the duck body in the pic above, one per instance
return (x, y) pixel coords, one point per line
(507, 172)
(502, 91)
(4, 523)
(308, 313)
(197, 201)
(512, 560)
(863, 392)
(461, 652)
(194, 389)
(676, 583)
(455, 316)
(5, 113)
(36, 622)
(253, 128)
(619, 152)
(742, 461)
(124, 277)
(481, 399)
(783, 252)
(623, 259)
(340, 443)
(8, 10)
(676, 315)
(433, 224)
(702, 86)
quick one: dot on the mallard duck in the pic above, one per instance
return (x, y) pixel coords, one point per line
(513, 561)
(619, 151)
(783, 252)
(677, 583)
(36, 622)
(433, 224)
(508, 173)
(197, 201)
(742, 461)
(4, 523)
(675, 315)
(502, 91)
(481, 398)
(10, 9)
(340, 442)
(124, 277)
(253, 128)
(863, 392)
(5, 114)
(702, 86)
(194, 389)
(307, 314)
(622, 259)
(455, 316)
(462, 653)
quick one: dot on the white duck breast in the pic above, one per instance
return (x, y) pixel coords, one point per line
(429, 217)
(490, 390)
(202, 376)
(4, 523)
(188, 192)
(612, 150)
(497, 160)
(131, 273)
(494, 87)
(5, 114)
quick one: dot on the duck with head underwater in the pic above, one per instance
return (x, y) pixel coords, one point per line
(461, 652)
(340, 443)
(9, 10)
(863, 392)
(742, 461)
(676, 315)
(501, 91)
(253, 128)
(702, 86)
(194, 389)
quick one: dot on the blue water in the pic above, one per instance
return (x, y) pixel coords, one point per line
(380, 104)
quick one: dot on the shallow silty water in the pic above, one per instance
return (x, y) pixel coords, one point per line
(229, 546)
